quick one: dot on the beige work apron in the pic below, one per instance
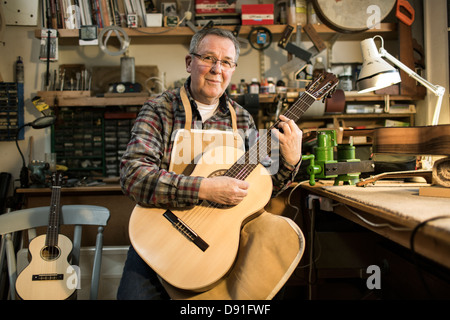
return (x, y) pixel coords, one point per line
(270, 246)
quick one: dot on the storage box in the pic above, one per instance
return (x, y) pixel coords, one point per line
(214, 6)
(257, 14)
(153, 19)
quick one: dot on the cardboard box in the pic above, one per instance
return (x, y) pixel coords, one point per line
(257, 14)
(214, 6)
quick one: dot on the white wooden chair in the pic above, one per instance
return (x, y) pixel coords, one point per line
(29, 219)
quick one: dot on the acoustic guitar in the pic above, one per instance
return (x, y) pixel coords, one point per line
(49, 276)
(193, 248)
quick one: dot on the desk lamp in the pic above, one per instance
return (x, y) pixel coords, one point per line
(39, 123)
(376, 73)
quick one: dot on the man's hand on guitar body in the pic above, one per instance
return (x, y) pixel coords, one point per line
(223, 190)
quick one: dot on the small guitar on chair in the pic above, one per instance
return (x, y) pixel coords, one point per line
(49, 276)
(193, 248)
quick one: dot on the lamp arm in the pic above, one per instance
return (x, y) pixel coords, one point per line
(436, 89)
(439, 91)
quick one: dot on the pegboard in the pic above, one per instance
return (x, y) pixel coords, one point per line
(20, 12)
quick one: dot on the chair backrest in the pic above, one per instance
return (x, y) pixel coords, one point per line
(29, 219)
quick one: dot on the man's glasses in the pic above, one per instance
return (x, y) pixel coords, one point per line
(211, 61)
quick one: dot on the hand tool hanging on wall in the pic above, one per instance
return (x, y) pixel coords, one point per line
(302, 56)
(260, 39)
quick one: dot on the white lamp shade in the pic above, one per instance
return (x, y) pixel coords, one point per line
(375, 73)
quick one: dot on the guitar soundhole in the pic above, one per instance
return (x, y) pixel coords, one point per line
(49, 253)
(217, 173)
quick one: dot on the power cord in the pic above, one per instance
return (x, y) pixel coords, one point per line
(375, 225)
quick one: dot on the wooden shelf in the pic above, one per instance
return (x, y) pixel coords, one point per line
(85, 98)
(163, 34)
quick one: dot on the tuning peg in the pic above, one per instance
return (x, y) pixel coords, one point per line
(332, 91)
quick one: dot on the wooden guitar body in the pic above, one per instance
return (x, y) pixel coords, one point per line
(177, 259)
(48, 276)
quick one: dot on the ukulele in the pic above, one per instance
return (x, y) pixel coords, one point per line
(49, 276)
(193, 248)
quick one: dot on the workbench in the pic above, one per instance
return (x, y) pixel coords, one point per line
(394, 210)
(349, 230)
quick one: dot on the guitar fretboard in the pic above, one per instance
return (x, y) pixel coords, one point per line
(242, 168)
(55, 207)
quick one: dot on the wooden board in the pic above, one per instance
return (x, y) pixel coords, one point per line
(434, 191)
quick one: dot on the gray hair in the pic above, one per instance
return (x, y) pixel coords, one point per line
(199, 35)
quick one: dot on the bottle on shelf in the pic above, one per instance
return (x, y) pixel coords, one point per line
(254, 86)
(301, 12)
(19, 70)
(264, 86)
(271, 85)
(283, 14)
(345, 79)
(312, 15)
(291, 12)
(242, 87)
(318, 68)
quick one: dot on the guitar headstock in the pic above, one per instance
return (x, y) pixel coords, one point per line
(57, 179)
(323, 86)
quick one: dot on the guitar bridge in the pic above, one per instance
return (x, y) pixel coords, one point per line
(184, 229)
(46, 277)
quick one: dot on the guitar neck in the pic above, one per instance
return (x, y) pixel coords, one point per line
(245, 165)
(298, 108)
(55, 210)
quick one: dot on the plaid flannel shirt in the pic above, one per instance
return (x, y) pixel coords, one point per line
(144, 174)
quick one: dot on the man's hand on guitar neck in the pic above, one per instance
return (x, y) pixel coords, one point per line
(223, 190)
(289, 136)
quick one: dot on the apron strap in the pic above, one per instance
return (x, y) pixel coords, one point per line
(188, 112)
(233, 117)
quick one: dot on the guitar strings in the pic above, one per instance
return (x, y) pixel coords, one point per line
(242, 168)
(51, 240)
